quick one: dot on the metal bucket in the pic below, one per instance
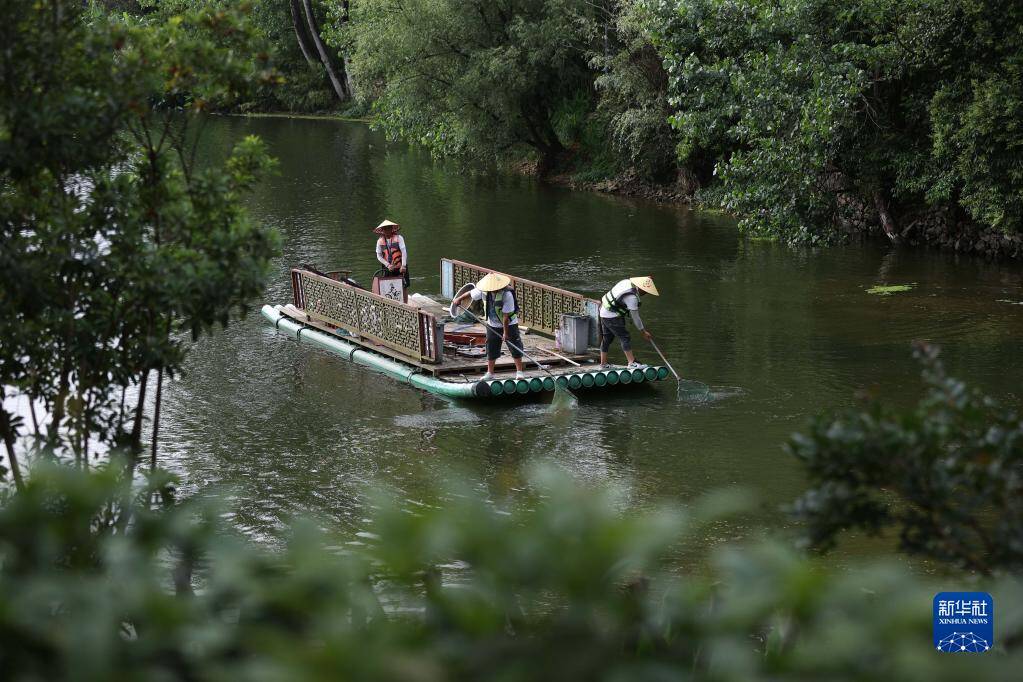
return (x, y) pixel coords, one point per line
(575, 333)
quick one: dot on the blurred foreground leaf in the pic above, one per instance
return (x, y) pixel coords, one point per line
(571, 588)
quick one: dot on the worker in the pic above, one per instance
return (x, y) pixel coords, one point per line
(391, 252)
(623, 301)
(501, 319)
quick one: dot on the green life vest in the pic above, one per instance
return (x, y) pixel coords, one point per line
(489, 303)
(612, 300)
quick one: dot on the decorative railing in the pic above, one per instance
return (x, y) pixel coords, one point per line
(540, 305)
(393, 324)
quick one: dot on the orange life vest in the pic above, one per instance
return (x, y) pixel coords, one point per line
(392, 252)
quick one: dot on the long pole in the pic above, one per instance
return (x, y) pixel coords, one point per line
(665, 360)
(490, 330)
(562, 357)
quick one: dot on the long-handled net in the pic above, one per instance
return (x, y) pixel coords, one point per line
(688, 389)
(564, 399)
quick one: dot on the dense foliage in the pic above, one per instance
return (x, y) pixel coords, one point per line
(472, 77)
(113, 239)
(813, 111)
(947, 475)
(808, 119)
(98, 584)
(633, 111)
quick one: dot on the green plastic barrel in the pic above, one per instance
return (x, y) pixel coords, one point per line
(548, 384)
(563, 381)
(625, 376)
(536, 384)
(650, 373)
(587, 380)
(662, 373)
(496, 388)
(522, 386)
(638, 376)
(574, 381)
(599, 379)
(612, 377)
(509, 387)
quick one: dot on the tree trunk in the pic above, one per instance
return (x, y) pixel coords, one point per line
(887, 222)
(687, 182)
(136, 427)
(302, 33)
(58, 407)
(35, 419)
(120, 412)
(156, 416)
(349, 82)
(7, 432)
(314, 32)
(542, 136)
(551, 154)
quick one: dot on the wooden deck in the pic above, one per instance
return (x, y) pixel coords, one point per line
(456, 365)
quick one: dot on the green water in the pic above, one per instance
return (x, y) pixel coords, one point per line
(778, 334)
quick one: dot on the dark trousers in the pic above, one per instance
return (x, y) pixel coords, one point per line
(494, 341)
(612, 328)
(395, 273)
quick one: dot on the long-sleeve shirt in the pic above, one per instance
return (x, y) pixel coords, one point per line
(382, 252)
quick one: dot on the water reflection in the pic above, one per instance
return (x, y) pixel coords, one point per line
(778, 333)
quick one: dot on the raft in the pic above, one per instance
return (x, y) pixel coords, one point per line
(418, 344)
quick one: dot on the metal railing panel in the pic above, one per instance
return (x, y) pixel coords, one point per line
(398, 326)
(540, 305)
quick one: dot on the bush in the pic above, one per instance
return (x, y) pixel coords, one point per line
(98, 584)
(947, 475)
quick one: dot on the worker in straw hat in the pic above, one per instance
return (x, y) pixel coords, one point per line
(623, 301)
(501, 319)
(391, 252)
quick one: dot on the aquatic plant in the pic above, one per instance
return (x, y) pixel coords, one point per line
(888, 289)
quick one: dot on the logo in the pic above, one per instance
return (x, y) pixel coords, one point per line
(964, 622)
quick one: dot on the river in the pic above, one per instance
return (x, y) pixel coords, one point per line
(780, 334)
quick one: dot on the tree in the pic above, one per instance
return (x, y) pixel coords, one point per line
(946, 475)
(112, 239)
(477, 79)
(301, 28)
(633, 87)
(339, 78)
(976, 111)
(818, 114)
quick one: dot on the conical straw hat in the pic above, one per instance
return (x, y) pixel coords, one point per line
(493, 282)
(646, 284)
(386, 226)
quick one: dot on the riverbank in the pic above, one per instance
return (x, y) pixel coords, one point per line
(628, 184)
(931, 229)
(326, 116)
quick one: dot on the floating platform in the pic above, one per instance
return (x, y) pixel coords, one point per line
(417, 342)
